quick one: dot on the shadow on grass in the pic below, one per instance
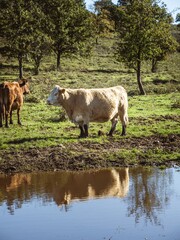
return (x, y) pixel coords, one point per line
(14, 67)
(35, 139)
(23, 140)
(157, 81)
(107, 71)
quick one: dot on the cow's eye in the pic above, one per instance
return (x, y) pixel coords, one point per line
(55, 94)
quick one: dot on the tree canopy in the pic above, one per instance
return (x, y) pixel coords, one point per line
(33, 26)
(21, 23)
(144, 34)
(71, 28)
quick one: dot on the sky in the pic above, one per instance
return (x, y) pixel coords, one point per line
(172, 5)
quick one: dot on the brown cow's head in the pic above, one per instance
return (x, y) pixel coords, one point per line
(24, 84)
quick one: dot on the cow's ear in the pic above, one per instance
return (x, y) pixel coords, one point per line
(62, 90)
(22, 82)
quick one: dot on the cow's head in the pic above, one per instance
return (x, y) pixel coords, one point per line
(56, 96)
(24, 84)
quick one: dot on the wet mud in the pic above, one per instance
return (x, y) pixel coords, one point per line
(85, 155)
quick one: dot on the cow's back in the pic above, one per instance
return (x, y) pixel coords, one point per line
(99, 105)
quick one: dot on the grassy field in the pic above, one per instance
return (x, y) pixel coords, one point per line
(153, 117)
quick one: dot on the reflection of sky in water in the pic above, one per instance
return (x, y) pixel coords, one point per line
(103, 218)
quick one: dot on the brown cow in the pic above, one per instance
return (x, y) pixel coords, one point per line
(1, 105)
(11, 98)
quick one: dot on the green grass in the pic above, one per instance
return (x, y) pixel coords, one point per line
(154, 114)
(148, 115)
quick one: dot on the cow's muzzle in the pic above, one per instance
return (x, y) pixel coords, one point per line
(49, 102)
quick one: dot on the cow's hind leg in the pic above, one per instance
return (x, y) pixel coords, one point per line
(114, 122)
(124, 120)
(1, 116)
(6, 114)
(86, 130)
(6, 119)
(1, 120)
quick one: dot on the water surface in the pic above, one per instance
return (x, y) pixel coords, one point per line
(137, 203)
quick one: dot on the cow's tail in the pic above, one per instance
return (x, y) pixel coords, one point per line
(126, 119)
(125, 109)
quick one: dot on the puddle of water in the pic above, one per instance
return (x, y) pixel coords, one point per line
(137, 203)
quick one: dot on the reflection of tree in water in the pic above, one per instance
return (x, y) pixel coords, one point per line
(149, 193)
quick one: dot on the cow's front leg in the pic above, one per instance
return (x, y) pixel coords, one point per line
(81, 131)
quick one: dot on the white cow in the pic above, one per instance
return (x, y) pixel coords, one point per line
(92, 105)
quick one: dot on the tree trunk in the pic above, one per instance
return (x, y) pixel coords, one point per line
(36, 70)
(97, 40)
(20, 59)
(141, 89)
(58, 61)
(36, 65)
(154, 66)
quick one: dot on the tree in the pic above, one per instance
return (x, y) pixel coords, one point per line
(106, 11)
(72, 26)
(40, 48)
(21, 23)
(102, 4)
(145, 26)
(176, 31)
(104, 26)
(178, 17)
(122, 2)
(163, 41)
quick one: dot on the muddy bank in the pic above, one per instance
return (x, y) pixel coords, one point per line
(154, 150)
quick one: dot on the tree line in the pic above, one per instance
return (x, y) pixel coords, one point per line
(34, 28)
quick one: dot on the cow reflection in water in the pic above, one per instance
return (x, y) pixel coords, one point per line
(17, 180)
(96, 184)
(14, 190)
(63, 187)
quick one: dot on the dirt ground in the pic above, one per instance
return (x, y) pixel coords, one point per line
(86, 155)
